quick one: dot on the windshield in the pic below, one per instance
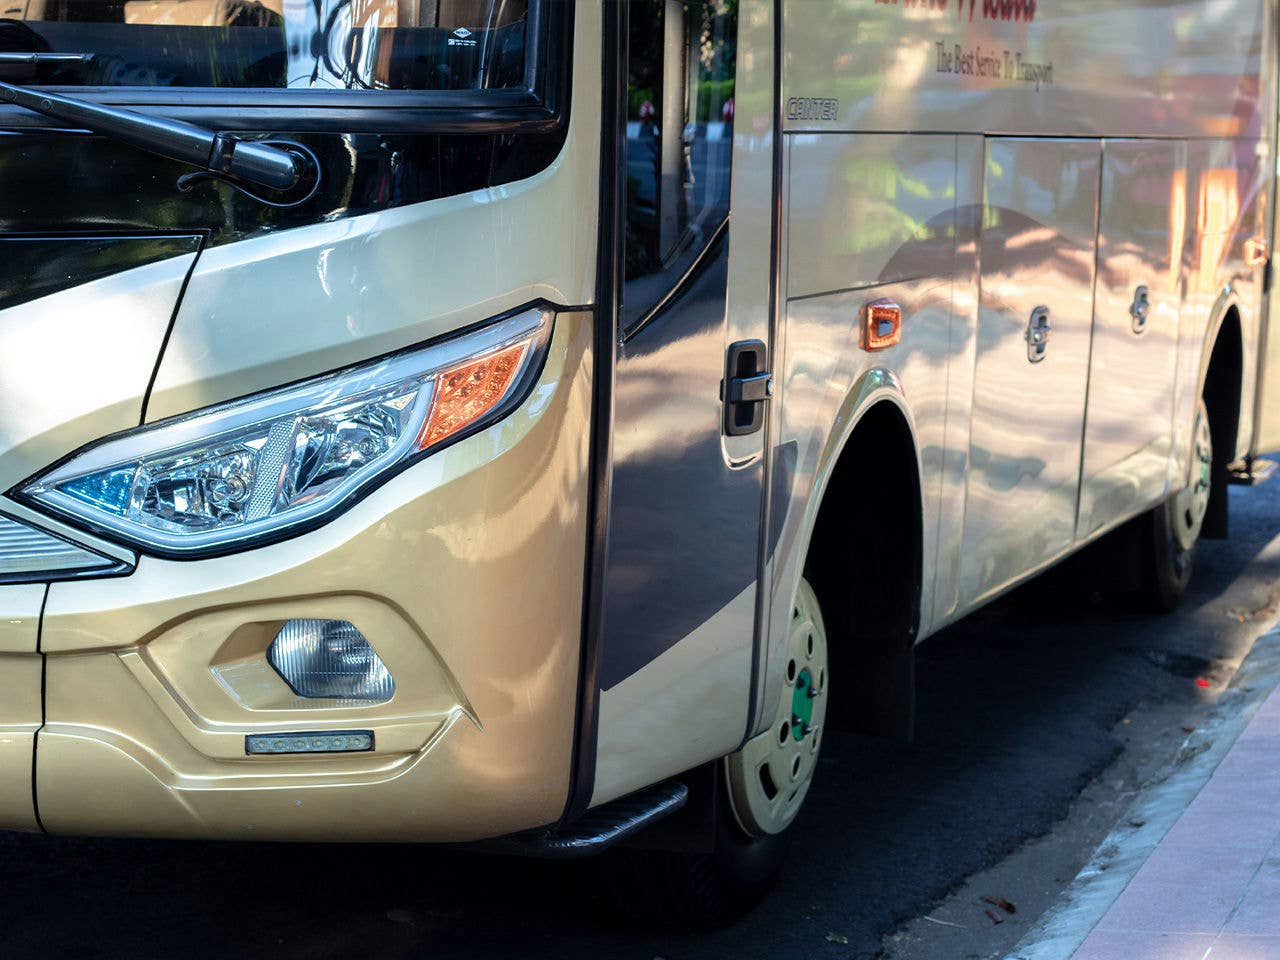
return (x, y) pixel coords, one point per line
(292, 44)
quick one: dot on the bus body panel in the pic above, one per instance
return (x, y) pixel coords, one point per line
(342, 292)
(854, 235)
(1267, 428)
(20, 710)
(1037, 257)
(465, 571)
(1047, 68)
(1133, 354)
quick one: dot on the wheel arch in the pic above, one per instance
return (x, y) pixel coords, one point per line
(1221, 383)
(864, 524)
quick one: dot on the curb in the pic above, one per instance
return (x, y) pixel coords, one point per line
(1061, 930)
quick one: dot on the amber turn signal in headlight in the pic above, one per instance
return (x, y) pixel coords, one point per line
(467, 392)
(255, 469)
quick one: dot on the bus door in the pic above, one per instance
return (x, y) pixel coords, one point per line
(690, 388)
(1035, 312)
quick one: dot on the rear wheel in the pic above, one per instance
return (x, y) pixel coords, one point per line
(1171, 530)
(760, 789)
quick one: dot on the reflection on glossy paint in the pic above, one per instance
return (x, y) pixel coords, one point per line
(1216, 216)
(1177, 223)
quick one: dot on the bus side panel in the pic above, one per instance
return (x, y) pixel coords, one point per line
(1226, 203)
(1061, 68)
(1267, 428)
(1035, 314)
(963, 355)
(1128, 428)
(869, 217)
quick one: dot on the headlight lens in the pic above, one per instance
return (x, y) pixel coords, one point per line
(255, 468)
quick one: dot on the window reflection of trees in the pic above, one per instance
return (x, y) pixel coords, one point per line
(676, 199)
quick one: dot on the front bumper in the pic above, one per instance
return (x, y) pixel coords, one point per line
(465, 573)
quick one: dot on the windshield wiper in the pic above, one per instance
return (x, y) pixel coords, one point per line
(275, 164)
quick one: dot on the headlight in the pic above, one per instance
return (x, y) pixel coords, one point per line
(259, 468)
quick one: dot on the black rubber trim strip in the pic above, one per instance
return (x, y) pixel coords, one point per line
(582, 770)
(604, 827)
(760, 636)
(540, 106)
(35, 740)
(40, 265)
(710, 250)
(168, 332)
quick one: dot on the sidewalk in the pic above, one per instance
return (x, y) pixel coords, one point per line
(1211, 888)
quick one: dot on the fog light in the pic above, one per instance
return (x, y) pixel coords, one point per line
(329, 659)
(343, 741)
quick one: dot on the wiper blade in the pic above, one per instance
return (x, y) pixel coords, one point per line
(221, 155)
(36, 58)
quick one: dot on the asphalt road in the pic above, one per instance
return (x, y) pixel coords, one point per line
(1037, 720)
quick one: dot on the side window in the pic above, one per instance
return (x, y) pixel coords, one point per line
(681, 57)
(273, 44)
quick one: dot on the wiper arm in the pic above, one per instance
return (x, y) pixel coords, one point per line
(218, 154)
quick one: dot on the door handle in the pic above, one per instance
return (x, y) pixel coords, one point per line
(1037, 335)
(1140, 309)
(746, 387)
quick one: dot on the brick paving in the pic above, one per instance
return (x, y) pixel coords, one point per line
(1211, 888)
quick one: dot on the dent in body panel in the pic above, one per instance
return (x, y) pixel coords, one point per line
(318, 298)
(336, 289)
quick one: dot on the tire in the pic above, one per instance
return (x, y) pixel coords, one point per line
(751, 831)
(698, 891)
(1169, 533)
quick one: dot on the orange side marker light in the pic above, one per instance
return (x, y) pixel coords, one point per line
(1255, 252)
(881, 324)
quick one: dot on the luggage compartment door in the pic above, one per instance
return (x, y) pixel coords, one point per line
(1035, 312)
(1128, 438)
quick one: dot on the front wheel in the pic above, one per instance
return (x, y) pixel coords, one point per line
(760, 789)
(1171, 530)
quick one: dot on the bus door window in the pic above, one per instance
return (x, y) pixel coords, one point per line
(679, 140)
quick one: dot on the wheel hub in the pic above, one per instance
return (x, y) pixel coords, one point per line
(1192, 503)
(770, 776)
